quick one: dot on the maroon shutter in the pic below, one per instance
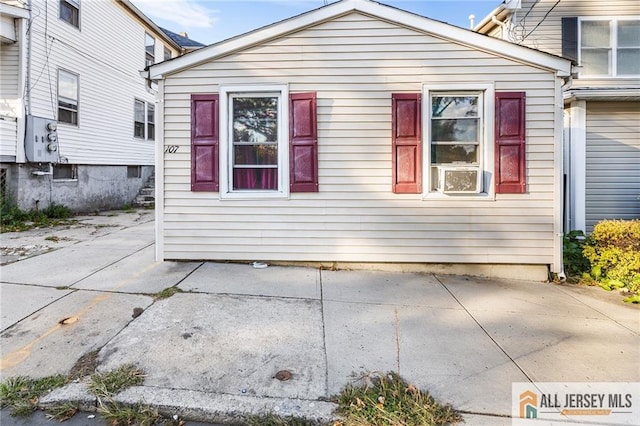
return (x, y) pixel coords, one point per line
(303, 142)
(204, 142)
(405, 142)
(510, 143)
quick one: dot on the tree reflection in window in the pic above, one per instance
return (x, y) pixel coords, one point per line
(255, 143)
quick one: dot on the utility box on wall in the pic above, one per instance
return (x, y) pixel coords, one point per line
(41, 140)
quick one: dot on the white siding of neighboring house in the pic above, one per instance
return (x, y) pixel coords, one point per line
(9, 97)
(107, 53)
(548, 35)
(354, 63)
(613, 161)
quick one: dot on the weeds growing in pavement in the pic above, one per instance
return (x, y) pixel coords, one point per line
(21, 394)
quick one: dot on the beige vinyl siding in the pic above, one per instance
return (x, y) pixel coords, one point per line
(354, 63)
(548, 35)
(613, 161)
(107, 53)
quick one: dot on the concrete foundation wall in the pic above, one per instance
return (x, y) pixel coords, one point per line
(95, 188)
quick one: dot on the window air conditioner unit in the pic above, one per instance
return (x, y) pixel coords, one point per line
(460, 180)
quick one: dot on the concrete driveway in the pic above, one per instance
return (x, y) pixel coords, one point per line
(213, 350)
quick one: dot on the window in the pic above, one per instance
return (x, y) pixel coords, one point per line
(474, 141)
(65, 172)
(134, 172)
(167, 53)
(143, 120)
(68, 97)
(457, 131)
(149, 49)
(70, 12)
(456, 141)
(151, 132)
(610, 48)
(254, 142)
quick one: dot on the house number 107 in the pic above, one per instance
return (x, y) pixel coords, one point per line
(171, 149)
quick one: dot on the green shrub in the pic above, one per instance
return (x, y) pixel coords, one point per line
(574, 261)
(613, 249)
(57, 211)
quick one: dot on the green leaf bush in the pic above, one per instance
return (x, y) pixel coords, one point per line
(613, 249)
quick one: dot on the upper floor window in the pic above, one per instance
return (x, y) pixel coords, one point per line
(149, 49)
(167, 53)
(70, 12)
(68, 84)
(610, 47)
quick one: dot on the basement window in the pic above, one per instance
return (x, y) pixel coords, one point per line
(134, 172)
(65, 172)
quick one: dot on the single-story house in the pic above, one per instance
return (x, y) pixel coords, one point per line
(362, 133)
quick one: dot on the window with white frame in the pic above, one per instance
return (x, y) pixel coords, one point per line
(457, 152)
(70, 12)
(610, 47)
(68, 84)
(167, 53)
(143, 120)
(149, 49)
(253, 141)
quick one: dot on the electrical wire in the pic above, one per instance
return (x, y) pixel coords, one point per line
(541, 21)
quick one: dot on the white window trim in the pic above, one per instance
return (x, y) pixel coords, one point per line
(226, 161)
(146, 120)
(613, 44)
(487, 145)
(77, 99)
(72, 3)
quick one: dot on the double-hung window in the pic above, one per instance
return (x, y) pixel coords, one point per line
(143, 120)
(610, 47)
(149, 49)
(68, 84)
(457, 152)
(254, 139)
(70, 12)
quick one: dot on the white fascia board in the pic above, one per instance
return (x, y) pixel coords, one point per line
(602, 94)
(149, 23)
(390, 14)
(486, 24)
(13, 11)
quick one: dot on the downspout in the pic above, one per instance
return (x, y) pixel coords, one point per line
(502, 25)
(558, 264)
(29, 32)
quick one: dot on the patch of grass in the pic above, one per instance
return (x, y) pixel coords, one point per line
(167, 292)
(386, 399)
(116, 414)
(62, 412)
(271, 419)
(126, 208)
(21, 394)
(14, 220)
(106, 385)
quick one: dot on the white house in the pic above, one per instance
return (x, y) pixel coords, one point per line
(361, 133)
(77, 120)
(602, 102)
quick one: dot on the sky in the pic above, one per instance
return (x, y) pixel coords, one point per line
(211, 21)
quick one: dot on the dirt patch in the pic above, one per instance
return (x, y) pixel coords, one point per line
(85, 366)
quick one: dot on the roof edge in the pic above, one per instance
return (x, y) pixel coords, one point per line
(145, 19)
(456, 34)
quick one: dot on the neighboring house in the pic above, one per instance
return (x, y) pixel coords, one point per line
(359, 132)
(77, 119)
(602, 103)
(183, 40)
